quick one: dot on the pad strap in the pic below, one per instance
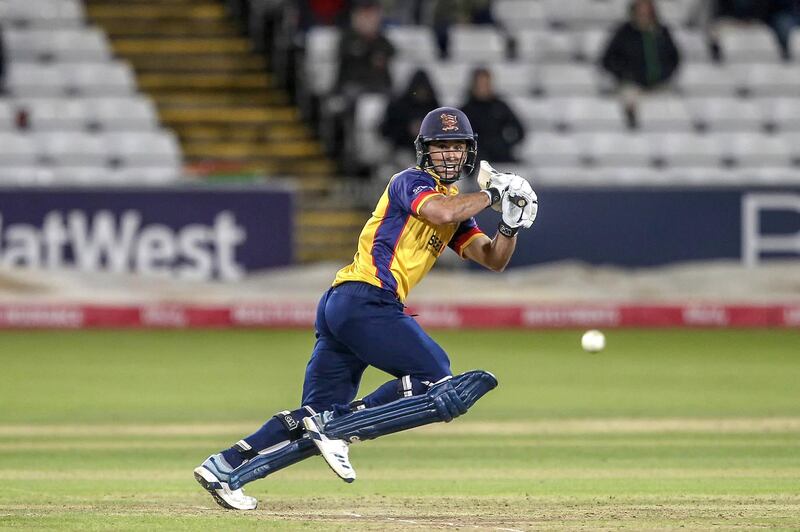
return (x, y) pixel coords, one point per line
(442, 402)
(275, 460)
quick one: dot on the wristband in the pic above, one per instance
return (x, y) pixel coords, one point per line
(507, 230)
(494, 195)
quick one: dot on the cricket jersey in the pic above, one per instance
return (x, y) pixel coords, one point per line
(397, 247)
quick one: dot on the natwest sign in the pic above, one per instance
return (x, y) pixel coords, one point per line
(196, 234)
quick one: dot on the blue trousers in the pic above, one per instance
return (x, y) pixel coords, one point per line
(360, 325)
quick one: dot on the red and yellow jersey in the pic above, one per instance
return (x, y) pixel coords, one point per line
(397, 247)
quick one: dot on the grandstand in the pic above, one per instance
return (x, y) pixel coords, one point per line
(729, 123)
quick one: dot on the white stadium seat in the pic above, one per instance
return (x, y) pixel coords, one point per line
(370, 110)
(158, 148)
(28, 79)
(588, 114)
(8, 115)
(664, 113)
(413, 43)
(701, 79)
(57, 114)
(550, 149)
(590, 44)
(520, 14)
(686, 150)
(17, 150)
(763, 79)
(619, 149)
(568, 80)
(756, 149)
(546, 46)
(692, 44)
(727, 114)
(752, 43)
(476, 43)
(100, 79)
(124, 114)
(783, 113)
(73, 149)
(537, 114)
(76, 44)
(45, 13)
(320, 65)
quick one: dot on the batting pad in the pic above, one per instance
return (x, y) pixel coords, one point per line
(442, 402)
(266, 464)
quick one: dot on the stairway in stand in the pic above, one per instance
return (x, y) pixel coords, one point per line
(218, 97)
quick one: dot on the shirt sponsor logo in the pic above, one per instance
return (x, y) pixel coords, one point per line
(421, 188)
(436, 244)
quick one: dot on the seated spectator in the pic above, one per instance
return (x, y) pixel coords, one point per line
(364, 60)
(640, 55)
(780, 15)
(498, 128)
(404, 113)
(364, 52)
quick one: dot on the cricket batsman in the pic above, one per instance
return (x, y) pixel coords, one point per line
(360, 320)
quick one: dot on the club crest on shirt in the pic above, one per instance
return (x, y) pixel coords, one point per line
(449, 122)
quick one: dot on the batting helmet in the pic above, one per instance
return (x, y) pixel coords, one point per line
(446, 123)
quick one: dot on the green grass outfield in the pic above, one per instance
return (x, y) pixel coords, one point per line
(665, 429)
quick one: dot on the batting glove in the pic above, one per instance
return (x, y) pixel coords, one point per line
(520, 205)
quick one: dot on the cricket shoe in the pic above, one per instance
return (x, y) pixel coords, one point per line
(213, 475)
(334, 451)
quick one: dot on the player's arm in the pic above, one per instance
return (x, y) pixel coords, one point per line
(492, 253)
(441, 209)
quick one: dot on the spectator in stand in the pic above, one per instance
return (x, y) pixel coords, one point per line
(404, 113)
(492, 119)
(641, 56)
(364, 61)
(780, 15)
(364, 52)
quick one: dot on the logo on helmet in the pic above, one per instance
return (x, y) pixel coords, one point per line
(449, 122)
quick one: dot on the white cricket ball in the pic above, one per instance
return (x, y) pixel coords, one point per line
(593, 341)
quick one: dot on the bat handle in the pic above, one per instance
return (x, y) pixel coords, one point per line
(519, 201)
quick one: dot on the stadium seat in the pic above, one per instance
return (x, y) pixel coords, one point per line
(727, 114)
(551, 149)
(320, 60)
(157, 148)
(686, 150)
(26, 176)
(753, 43)
(520, 14)
(692, 44)
(764, 79)
(75, 149)
(476, 43)
(664, 113)
(512, 79)
(618, 149)
(85, 176)
(99, 79)
(756, 149)
(546, 46)
(8, 115)
(587, 114)
(124, 114)
(590, 44)
(413, 43)
(28, 79)
(537, 114)
(17, 150)
(370, 110)
(57, 114)
(783, 113)
(568, 80)
(77, 44)
(44, 13)
(700, 79)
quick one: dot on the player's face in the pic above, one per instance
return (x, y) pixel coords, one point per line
(448, 156)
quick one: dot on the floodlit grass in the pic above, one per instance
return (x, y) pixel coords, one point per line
(665, 429)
